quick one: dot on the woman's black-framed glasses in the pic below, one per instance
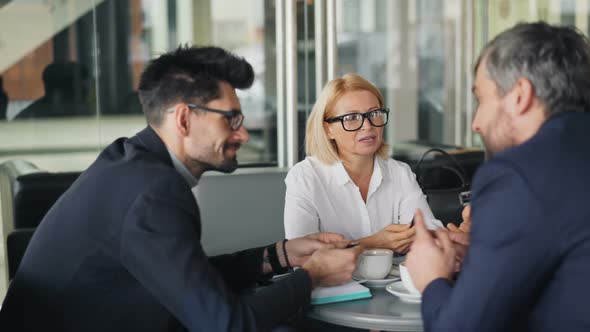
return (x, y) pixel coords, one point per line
(355, 121)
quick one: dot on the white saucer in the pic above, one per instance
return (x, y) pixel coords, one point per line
(393, 276)
(398, 289)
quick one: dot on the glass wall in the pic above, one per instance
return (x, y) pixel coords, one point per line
(306, 83)
(419, 53)
(68, 84)
(412, 51)
(494, 16)
(49, 82)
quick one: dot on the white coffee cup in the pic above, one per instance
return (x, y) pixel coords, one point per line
(407, 279)
(375, 263)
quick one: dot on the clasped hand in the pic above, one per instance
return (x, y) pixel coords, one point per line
(439, 254)
(300, 249)
(325, 257)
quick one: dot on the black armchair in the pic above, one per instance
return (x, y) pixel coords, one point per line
(26, 194)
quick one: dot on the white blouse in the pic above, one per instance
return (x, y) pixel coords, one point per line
(323, 198)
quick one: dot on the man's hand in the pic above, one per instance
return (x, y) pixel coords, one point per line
(460, 236)
(326, 237)
(461, 243)
(465, 226)
(396, 237)
(300, 249)
(426, 260)
(332, 265)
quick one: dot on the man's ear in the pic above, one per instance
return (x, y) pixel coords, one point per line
(524, 96)
(182, 119)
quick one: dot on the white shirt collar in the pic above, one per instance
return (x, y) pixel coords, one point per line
(341, 176)
(183, 171)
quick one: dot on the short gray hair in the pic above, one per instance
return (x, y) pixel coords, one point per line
(556, 60)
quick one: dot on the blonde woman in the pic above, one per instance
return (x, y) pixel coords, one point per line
(348, 184)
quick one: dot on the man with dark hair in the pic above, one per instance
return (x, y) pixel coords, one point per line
(528, 262)
(121, 251)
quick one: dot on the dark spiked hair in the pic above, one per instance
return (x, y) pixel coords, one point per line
(189, 74)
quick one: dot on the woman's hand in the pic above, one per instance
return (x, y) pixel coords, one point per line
(397, 237)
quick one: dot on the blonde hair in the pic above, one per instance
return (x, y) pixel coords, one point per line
(317, 143)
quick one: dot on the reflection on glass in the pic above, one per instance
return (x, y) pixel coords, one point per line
(48, 79)
(67, 88)
(3, 100)
(71, 88)
(407, 48)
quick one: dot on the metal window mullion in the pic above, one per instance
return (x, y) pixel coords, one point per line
(280, 107)
(469, 49)
(291, 82)
(184, 24)
(320, 45)
(392, 51)
(331, 41)
(97, 74)
(457, 77)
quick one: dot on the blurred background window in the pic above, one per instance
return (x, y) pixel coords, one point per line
(69, 81)
(69, 69)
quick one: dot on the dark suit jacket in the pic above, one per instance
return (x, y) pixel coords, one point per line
(528, 266)
(120, 251)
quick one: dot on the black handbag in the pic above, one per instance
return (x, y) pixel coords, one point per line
(445, 185)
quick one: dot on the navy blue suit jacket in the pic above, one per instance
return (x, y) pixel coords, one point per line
(121, 251)
(528, 266)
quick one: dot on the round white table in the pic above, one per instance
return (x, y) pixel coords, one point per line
(384, 311)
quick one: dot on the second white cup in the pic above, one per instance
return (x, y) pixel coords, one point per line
(407, 279)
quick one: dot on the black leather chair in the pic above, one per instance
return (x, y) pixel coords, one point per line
(35, 193)
(26, 194)
(16, 245)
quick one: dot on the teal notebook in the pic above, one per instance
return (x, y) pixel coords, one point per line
(346, 292)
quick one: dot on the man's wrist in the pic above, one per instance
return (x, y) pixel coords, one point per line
(266, 268)
(273, 251)
(287, 261)
(281, 253)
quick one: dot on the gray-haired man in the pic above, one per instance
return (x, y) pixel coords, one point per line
(528, 264)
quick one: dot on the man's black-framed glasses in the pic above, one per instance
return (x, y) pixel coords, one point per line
(234, 117)
(355, 121)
